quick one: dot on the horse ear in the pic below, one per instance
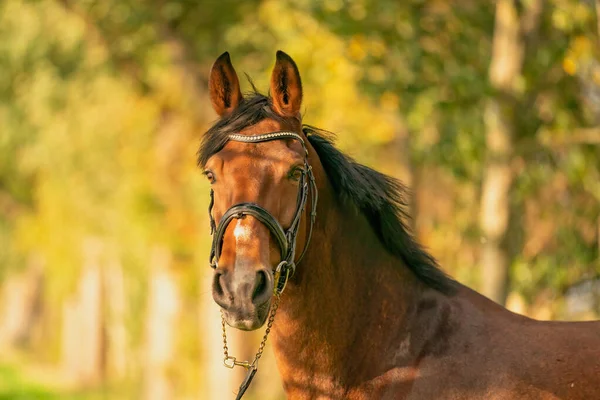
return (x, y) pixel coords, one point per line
(286, 86)
(224, 86)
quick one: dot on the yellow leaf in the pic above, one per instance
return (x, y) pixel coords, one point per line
(333, 5)
(389, 101)
(357, 48)
(581, 45)
(569, 66)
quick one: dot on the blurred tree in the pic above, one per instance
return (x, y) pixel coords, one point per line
(512, 31)
(435, 56)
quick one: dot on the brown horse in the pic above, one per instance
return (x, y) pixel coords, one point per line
(367, 313)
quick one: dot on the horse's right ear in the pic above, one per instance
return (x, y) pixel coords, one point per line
(224, 86)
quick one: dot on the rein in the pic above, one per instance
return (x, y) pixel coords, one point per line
(286, 239)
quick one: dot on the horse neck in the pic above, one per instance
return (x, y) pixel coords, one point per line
(348, 304)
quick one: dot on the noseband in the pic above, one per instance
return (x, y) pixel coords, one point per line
(286, 239)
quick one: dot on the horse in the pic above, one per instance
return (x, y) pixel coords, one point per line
(362, 311)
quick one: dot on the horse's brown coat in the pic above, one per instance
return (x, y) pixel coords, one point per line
(354, 323)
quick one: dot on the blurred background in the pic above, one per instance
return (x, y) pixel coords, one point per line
(489, 111)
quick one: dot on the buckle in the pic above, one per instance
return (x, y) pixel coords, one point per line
(231, 362)
(281, 276)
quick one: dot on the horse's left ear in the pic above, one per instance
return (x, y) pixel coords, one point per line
(286, 86)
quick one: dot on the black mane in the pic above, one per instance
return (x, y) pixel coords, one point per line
(379, 197)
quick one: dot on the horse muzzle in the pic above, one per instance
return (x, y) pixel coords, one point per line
(244, 296)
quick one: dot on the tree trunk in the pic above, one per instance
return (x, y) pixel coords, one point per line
(598, 17)
(513, 34)
(494, 219)
(21, 305)
(117, 351)
(162, 314)
(82, 334)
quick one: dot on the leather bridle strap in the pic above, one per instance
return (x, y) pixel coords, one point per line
(286, 239)
(238, 211)
(313, 212)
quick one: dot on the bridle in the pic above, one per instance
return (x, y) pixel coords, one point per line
(286, 239)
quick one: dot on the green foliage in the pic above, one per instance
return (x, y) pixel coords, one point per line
(15, 385)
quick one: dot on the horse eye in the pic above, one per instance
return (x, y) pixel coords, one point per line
(296, 173)
(210, 176)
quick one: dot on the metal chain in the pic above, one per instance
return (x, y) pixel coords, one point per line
(230, 361)
(261, 347)
(225, 348)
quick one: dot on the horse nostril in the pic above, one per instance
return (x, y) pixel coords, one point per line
(261, 282)
(262, 287)
(219, 290)
(218, 285)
